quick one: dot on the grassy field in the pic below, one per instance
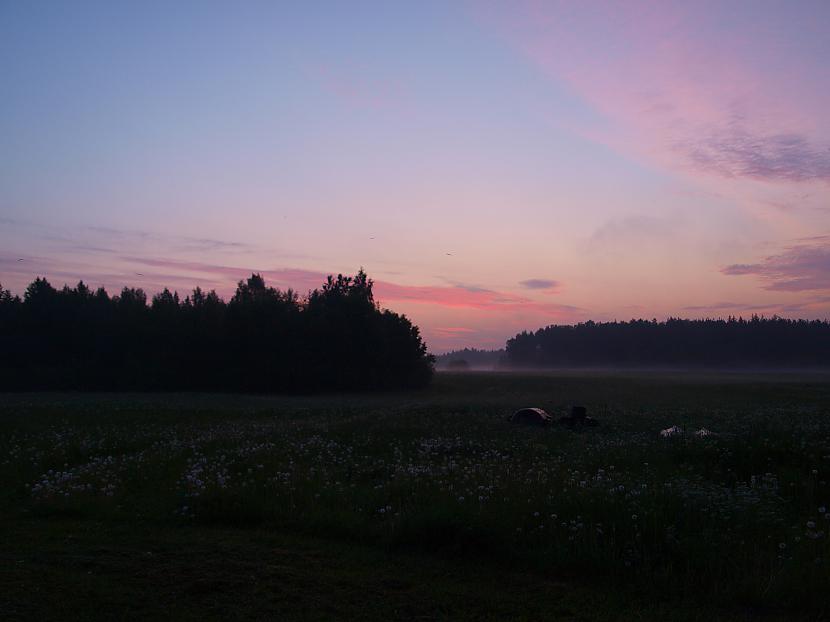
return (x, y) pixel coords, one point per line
(422, 506)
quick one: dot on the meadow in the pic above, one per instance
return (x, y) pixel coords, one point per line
(422, 505)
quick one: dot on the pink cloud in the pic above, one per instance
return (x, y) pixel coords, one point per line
(801, 267)
(549, 286)
(731, 307)
(297, 278)
(449, 315)
(735, 152)
(705, 87)
(458, 296)
(455, 296)
(449, 332)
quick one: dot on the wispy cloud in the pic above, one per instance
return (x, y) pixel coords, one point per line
(675, 87)
(452, 331)
(177, 243)
(540, 284)
(186, 274)
(809, 305)
(470, 287)
(297, 278)
(106, 239)
(731, 306)
(113, 233)
(801, 267)
(734, 151)
(459, 297)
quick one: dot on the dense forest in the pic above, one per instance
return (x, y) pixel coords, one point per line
(334, 339)
(733, 342)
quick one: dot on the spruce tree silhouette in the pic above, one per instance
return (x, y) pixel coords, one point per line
(263, 339)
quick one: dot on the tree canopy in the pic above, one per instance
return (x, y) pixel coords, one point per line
(264, 339)
(754, 342)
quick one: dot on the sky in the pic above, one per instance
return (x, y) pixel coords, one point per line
(494, 166)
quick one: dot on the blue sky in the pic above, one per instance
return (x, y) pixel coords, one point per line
(654, 160)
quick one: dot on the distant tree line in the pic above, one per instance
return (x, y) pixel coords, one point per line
(336, 338)
(474, 357)
(735, 342)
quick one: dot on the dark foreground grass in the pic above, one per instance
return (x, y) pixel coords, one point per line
(421, 506)
(91, 571)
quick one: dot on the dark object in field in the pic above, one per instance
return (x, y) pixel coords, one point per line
(531, 416)
(578, 417)
(672, 432)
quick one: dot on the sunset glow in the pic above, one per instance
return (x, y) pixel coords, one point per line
(494, 167)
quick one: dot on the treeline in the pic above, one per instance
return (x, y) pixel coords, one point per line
(733, 342)
(475, 358)
(334, 339)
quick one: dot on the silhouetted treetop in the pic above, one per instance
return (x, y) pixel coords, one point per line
(263, 339)
(756, 342)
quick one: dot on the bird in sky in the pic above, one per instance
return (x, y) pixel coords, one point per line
(139, 274)
(21, 260)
